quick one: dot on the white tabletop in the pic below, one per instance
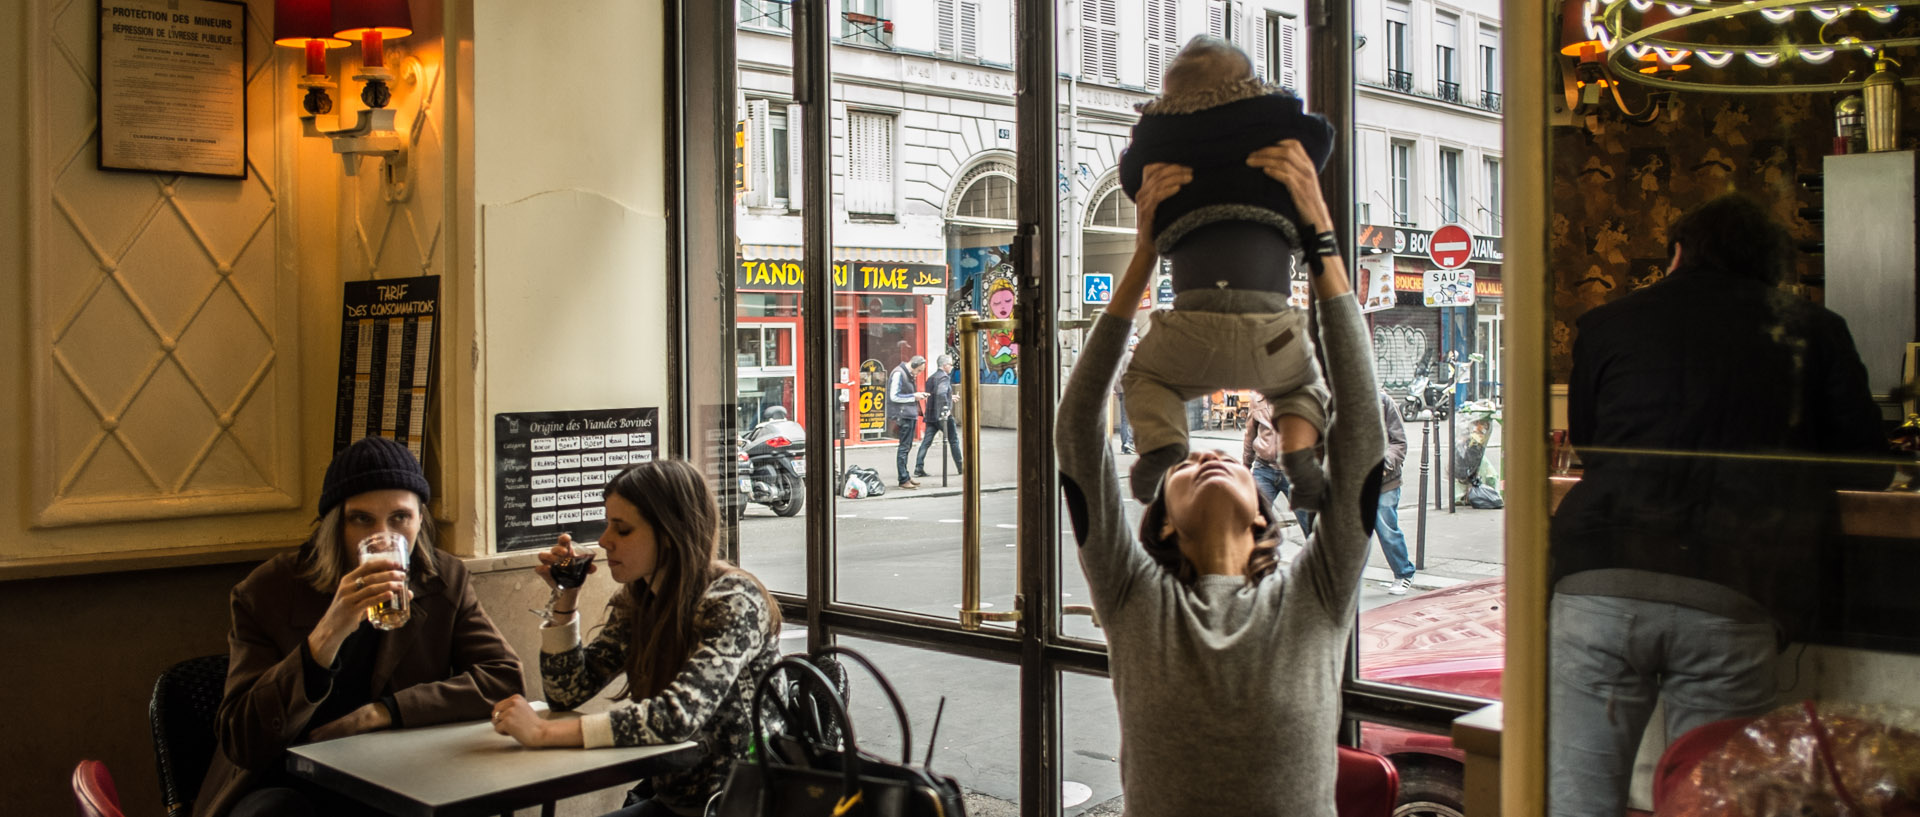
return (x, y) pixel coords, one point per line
(465, 768)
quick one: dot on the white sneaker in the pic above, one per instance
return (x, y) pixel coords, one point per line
(1399, 587)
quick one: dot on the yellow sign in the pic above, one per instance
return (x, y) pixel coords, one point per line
(863, 277)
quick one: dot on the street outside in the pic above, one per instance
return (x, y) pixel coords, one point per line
(901, 551)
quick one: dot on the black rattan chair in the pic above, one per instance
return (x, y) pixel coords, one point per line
(185, 700)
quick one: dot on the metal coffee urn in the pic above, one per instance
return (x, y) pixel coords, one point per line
(1882, 93)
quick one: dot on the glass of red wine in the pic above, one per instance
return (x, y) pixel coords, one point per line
(568, 572)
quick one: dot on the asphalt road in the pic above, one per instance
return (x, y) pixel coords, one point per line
(902, 552)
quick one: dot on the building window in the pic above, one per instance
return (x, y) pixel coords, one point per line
(1278, 44)
(772, 156)
(1113, 212)
(1100, 41)
(1220, 19)
(865, 22)
(764, 14)
(959, 28)
(1450, 186)
(1163, 38)
(1490, 69)
(1446, 60)
(1399, 73)
(869, 163)
(1490, 168)
(1400, 166)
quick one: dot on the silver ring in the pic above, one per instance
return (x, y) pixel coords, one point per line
(360, 583)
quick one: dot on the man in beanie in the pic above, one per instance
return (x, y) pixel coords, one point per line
(305, 665)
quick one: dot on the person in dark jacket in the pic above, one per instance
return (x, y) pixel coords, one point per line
(939, 416)
(1681, 560)
(1233, 236)
(1386, 524)
(306, 666)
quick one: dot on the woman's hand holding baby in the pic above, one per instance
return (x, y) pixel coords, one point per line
(1158, 182)
(1289, 164)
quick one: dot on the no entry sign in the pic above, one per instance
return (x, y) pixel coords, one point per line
(1450, 247)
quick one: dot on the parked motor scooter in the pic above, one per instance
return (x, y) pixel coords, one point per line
(1427, 394)
(776, 461)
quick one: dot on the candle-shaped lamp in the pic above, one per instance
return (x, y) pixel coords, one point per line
(372, 22)
(308, 24)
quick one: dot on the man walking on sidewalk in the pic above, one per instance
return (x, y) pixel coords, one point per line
(939, 414)
(903, 412)
(1386, 524)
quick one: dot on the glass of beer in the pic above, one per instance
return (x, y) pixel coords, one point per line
(392, 613)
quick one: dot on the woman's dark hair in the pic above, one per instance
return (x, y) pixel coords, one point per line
(1732, 234)
(1165, 550)
(675, 500)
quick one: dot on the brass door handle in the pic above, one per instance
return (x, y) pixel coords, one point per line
(968, 326)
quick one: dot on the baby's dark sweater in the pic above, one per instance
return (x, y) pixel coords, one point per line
(1215, 141)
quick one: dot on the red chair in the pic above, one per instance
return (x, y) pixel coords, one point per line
(1677, 762)
(93, 790)
(1367, 785)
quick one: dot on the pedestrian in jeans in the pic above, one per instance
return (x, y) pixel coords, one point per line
(939, 415)
(1120, 398)
(1386, 525)
(903, 412)
(1260, 450)
(1685, 557)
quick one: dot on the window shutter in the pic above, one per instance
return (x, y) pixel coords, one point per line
(870, 169)
(1162, 38)
(1217, 19)
(796, 170)
(759, 162)
(944, 10)
(1100, 40)
(1289, 53)
(969, 29)
(1259, 49)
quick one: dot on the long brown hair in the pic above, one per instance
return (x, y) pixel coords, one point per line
(327, 555)
(1165, 550)
(664, 612)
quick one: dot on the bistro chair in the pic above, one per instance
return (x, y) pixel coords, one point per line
(1367, 786)
(185, 700)
(93, 790)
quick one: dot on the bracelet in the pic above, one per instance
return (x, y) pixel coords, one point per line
(565, 612)
(1325, 244)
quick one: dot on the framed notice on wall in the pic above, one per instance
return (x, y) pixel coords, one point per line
(387, 343)
(173, 86)
(549, 468)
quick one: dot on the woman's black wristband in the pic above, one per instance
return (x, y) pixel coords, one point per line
(1325, 245)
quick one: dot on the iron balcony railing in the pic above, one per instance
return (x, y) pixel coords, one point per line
(1400, 80)
(1449, 91)
(1490, 100)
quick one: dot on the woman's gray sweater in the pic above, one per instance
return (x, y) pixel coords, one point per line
(1229, 694)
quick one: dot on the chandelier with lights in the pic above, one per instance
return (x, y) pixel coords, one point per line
(1657, 43)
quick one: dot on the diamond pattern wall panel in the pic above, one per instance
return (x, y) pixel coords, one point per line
(163, 304)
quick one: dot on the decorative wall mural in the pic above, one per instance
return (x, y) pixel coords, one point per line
(983, 279)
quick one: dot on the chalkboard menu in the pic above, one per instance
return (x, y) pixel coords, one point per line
(549, 468)
(387, 339)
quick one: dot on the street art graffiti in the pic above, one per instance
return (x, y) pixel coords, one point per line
(1396, 351)
(983, 280)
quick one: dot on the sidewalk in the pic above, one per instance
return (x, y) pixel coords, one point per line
(1462, 546)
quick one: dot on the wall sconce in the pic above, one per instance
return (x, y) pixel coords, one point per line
(318, 25)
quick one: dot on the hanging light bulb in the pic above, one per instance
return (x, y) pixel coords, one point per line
(1717, 59)
(1817, 56)
(1882, 14)
(1830, 15)
(1777, 15)
(1762, 60)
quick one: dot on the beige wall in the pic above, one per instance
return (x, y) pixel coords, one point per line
(537, 195)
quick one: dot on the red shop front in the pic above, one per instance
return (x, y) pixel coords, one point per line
(882, 300)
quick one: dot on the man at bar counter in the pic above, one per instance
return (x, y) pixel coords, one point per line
(1708, 410)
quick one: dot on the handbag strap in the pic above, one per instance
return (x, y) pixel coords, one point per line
(808, 674)
(899, 710)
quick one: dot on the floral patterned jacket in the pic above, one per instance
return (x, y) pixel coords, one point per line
(708, 702)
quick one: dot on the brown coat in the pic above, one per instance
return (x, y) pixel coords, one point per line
(449, 663)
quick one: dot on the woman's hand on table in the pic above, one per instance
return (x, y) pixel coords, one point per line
(515, 718)
(369, 718)
(364, 586)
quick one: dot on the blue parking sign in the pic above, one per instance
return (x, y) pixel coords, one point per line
(1098, 287)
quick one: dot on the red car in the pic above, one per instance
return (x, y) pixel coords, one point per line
(1450, 640)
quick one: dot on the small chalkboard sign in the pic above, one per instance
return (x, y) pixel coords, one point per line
(550, 467)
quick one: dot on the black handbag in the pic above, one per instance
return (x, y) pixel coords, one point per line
(812, 766)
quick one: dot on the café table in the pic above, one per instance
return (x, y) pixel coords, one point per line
(459, 769)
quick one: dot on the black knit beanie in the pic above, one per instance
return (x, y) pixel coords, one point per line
(372, 464)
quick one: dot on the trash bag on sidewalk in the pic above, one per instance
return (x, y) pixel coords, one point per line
(1484, 497)
(860, 481)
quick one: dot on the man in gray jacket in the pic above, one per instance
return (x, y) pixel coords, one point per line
(939, 417)
(903, 411)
